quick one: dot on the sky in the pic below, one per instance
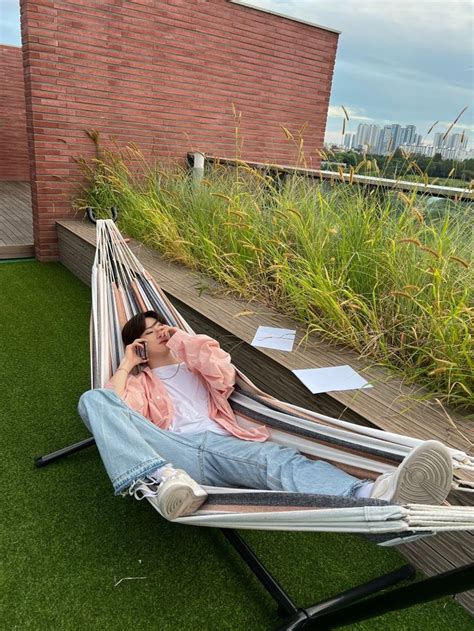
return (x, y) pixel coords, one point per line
(398, 61)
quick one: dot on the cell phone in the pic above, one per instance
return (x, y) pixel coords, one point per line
(142, 350)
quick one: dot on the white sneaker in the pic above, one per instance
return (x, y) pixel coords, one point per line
(424, 477)
(176, 493)
(179, 495)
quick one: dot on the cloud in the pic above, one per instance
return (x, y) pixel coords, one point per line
(336, 111)
(404, 61)
(407, 99)
(417, 20)
(442, 126)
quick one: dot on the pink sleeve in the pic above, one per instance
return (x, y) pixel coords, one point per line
(203, 353)
(133, 396)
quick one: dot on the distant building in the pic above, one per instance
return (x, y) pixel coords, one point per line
(393, 136)
(396, 136)
(450, 154)
(438, 141)
(409, 136)
(372, 139)
(361, 135)
(385, 140)
(348, 140)
(456, 141)
(366, 137)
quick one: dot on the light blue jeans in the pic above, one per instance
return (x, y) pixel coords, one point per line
(132, 447)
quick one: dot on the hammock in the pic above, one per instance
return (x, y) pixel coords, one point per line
(121, 287)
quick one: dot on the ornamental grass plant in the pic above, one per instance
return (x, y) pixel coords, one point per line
(381, 272)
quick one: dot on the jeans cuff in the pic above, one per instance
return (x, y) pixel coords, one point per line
(125, 480)
(351, 491)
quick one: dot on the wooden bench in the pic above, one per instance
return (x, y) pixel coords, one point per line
(389, 405)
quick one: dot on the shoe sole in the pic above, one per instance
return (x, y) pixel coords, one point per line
(427, 480)
(179, 501)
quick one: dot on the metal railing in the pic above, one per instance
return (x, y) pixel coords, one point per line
(197, 161)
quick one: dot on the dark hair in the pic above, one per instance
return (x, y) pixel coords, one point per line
(134, 328)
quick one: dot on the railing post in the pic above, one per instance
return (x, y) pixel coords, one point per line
(198, 166)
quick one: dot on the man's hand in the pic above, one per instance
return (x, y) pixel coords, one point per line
(165, 332)
(131, 357)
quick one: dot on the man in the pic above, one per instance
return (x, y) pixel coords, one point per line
(169, 408)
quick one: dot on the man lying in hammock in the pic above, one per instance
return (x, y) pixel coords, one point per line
(163, 426)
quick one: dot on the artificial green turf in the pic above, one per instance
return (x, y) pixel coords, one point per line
(66, 540)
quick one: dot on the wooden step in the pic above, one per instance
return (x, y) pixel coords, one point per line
(17, 251)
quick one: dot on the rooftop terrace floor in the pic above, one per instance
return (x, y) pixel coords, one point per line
(16, 220)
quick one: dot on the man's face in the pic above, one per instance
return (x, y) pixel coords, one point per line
(156, 336)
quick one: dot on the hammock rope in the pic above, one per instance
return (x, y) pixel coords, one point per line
(121, 287)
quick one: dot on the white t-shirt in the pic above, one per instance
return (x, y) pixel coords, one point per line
(190, 400)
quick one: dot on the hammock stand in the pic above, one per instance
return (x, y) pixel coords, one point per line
(347, 607)
(341, 609)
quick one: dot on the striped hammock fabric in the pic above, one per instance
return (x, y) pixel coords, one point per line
(121, 287)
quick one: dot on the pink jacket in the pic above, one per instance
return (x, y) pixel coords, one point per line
(146, 393)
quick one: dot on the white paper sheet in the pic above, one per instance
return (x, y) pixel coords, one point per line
(331, 379)
(272, 337)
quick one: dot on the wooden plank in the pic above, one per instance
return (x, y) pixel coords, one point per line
(16, 251)
(16, 220)
(441, 553)
(11, 234)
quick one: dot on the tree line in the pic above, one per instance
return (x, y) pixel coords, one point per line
(398, 165)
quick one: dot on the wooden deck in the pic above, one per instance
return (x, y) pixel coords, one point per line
(16, 221)
(389, 405)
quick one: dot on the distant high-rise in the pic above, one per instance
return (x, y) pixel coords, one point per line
(361, 135)
(372, 139)
(409, 136)
(366, 137)
(396, 136)
(391, 137)
(385, 139)
(348, 140)
(438, 141)
(454, 141)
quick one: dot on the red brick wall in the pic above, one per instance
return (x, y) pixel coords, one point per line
(14, 165)
(164, 74)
